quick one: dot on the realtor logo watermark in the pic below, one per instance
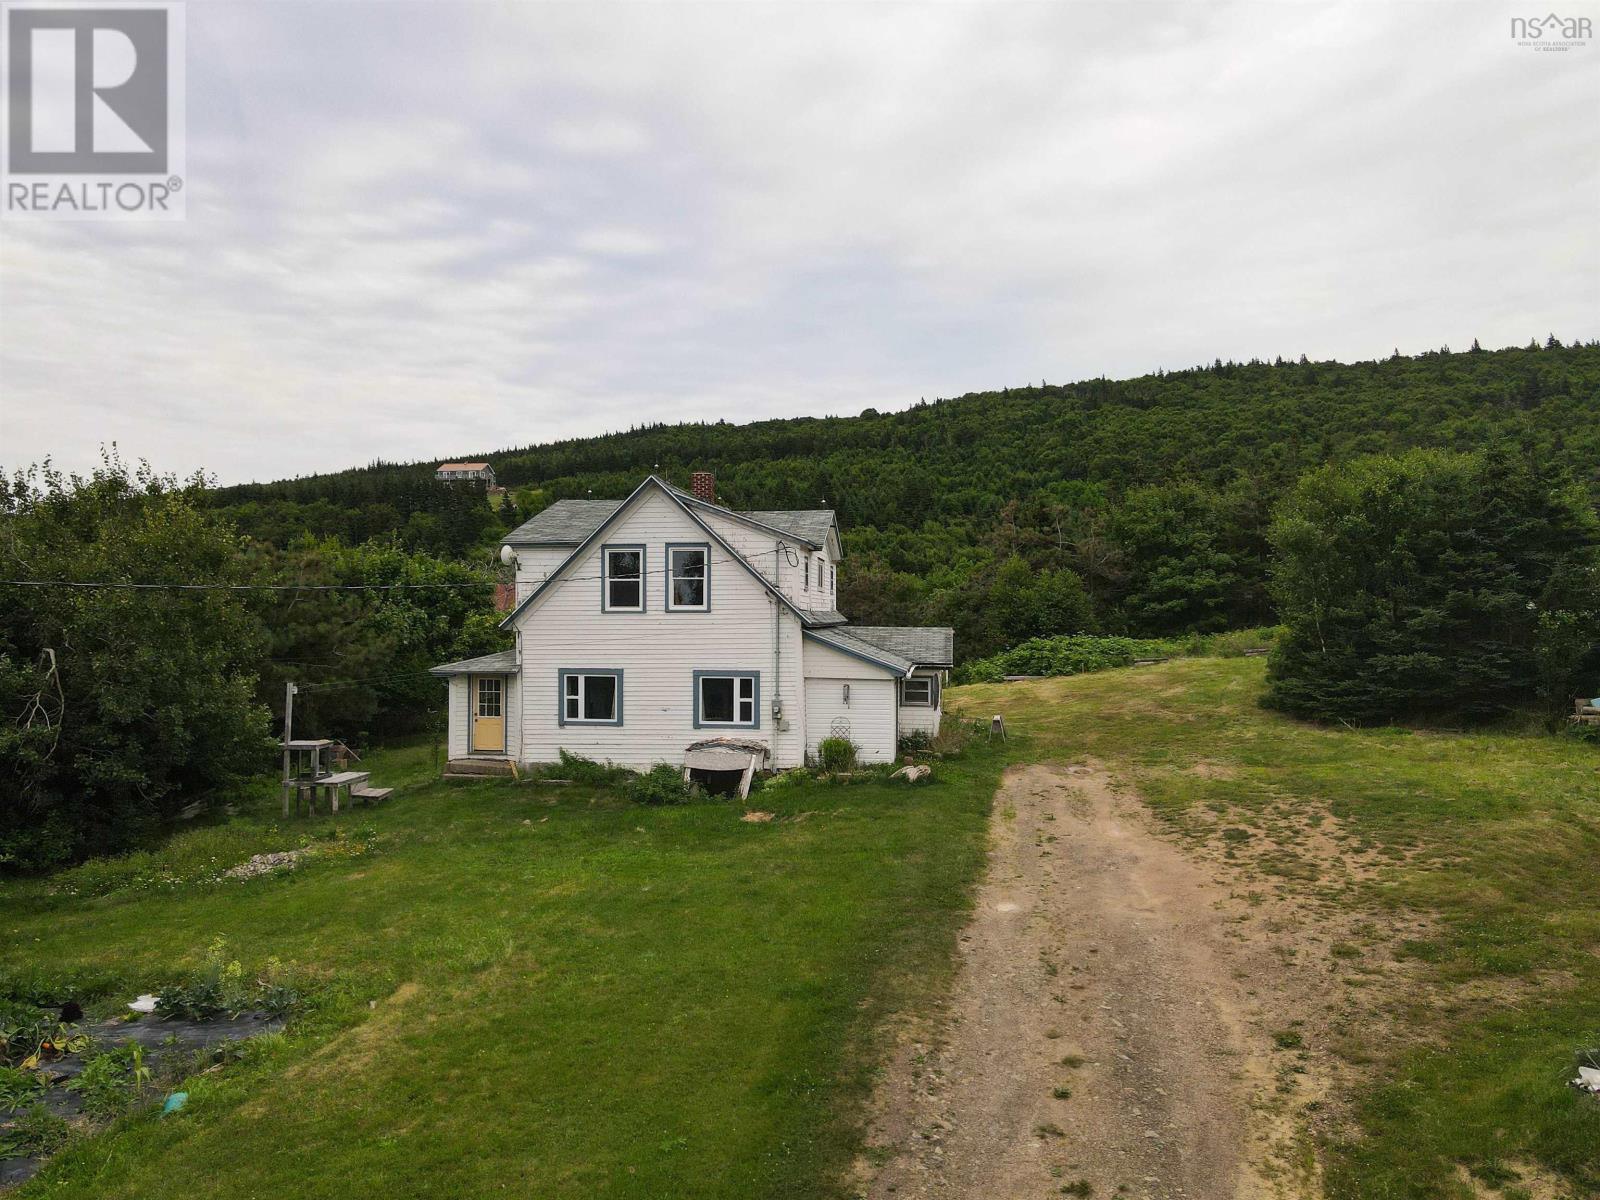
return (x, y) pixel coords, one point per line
(1552, 32)
(93, 121)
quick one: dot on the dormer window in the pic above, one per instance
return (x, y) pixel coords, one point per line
(622, 579)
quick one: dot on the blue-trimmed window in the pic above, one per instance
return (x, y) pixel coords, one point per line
(588, 696)
(688, 576)
(727, 700)
(622, 578)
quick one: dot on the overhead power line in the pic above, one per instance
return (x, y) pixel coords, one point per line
(123, 585)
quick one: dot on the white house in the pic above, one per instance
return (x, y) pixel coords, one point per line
(665, 626)
(471, 472)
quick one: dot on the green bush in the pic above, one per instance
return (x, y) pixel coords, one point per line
(918, 741)
(215, 989)
(142, 704)
(1074, 654)
(586, 771)
(1463, 585)
(661, 784)
(836, 754)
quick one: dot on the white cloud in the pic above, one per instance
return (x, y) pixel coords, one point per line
(469, 225)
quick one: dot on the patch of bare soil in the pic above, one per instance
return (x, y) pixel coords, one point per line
(1122, 1023)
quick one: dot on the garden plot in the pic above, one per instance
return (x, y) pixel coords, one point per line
(89, 1072)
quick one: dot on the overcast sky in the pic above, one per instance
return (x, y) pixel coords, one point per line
(417, 230)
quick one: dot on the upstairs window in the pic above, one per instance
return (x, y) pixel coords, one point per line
(807, 586)
(591, 697)
(731, 699)
(622, 579)
(833, 580)
(688, 578)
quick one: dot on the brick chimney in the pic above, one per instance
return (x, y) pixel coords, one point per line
(704, 486)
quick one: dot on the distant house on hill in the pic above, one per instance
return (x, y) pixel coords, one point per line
(668, 628)
(473, 472)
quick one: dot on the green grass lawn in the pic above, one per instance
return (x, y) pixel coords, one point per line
(548, 992)
(527, 990)
(1492, 838)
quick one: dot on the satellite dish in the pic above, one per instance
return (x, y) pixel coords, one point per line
(508, 556)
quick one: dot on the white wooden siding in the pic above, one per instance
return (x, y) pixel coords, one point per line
(513, 712)
(762, 549)
(657, 651)
(870, 712)
(459, 718)
(534, 565)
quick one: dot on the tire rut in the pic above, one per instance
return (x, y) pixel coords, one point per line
(1105, 1029)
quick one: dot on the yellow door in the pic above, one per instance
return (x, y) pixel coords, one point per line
(488, 713)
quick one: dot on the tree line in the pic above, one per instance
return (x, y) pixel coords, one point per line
(1139, 507)
(1424, 529)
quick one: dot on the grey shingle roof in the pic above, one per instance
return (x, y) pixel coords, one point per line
(568, 522)
(808, 524)
(501, 662)
(840, 639)
(815, 617)
(927, 646)
(564, 523)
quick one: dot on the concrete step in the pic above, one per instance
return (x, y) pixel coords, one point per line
(478, 768)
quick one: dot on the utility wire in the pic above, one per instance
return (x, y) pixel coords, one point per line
(120, 585)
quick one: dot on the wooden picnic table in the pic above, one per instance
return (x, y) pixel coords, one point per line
(332, 785)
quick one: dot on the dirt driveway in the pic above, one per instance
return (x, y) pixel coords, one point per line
(1111, 1033)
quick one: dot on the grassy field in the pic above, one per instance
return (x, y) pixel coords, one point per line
(549, 992)
(1488, 843)
(529, 990)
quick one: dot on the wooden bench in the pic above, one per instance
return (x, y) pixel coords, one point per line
(371, 794)
(332, 785)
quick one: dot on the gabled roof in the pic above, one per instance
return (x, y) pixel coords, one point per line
(568, 522)
(855, 647)
(564, 523)
(924, 645)
(807, 524)
(501, 662)
(462, 466)
(677, 497)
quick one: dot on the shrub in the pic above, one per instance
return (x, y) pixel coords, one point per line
(1433, 583)
(661, 784)
(836, 754)
(216, 988)
(918, 741)
(585, 770)
(158, 693)
(1073, 654)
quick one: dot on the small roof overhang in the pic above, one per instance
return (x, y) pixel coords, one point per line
(502, 662)
(840, 640)
(922, 645)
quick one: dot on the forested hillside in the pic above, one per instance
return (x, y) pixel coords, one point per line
(1134, 506)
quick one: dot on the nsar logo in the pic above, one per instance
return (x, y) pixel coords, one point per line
(1552, 32)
